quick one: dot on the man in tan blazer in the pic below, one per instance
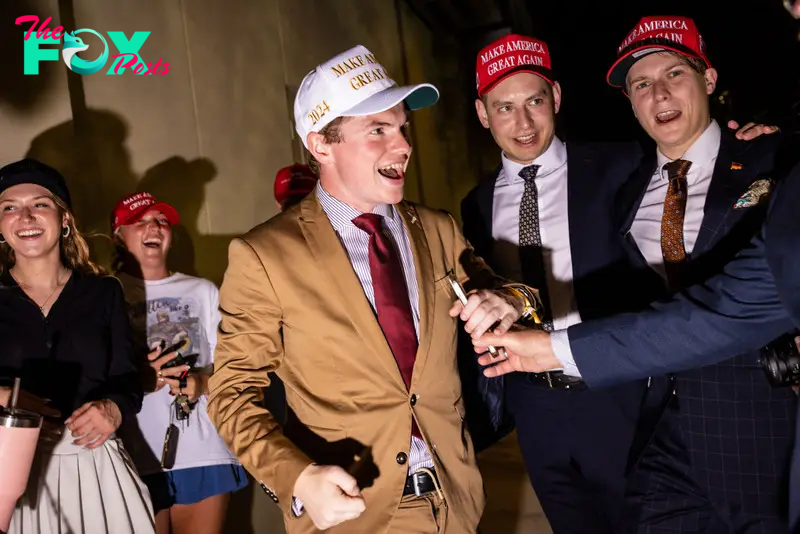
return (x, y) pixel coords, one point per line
(345, 297)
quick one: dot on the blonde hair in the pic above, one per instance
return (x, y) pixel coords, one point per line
(74, 251)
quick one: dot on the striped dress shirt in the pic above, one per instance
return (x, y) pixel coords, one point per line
(356, 244)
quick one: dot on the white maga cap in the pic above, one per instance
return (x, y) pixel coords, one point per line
(352, 84)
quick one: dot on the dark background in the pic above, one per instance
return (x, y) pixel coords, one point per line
(754, 45)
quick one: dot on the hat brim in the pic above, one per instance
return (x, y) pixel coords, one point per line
(415, 97)
(619, 70)
(545, 74)
(171, 213)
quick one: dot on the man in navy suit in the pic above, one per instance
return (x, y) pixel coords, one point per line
(715, 439)
(755, 299)
(545, 219)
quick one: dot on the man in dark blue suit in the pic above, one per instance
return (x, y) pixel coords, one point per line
(554, 231)
(713, 440)
(755, 299)
(545, 219)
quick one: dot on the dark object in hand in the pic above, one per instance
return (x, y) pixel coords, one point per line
(781, 361)
(181, 359)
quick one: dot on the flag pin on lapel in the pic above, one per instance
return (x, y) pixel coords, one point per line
(736, 166)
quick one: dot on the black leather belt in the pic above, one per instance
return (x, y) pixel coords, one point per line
(554, 380)
(420, 483)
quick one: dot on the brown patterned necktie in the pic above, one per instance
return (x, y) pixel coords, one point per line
(673, 248)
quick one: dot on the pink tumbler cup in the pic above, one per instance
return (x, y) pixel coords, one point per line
(19, 433)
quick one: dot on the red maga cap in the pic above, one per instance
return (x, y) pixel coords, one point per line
(509, 55)
(657, 34)
(133, 207)
(294, 180)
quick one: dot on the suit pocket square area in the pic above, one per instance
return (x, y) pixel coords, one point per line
(757, 192)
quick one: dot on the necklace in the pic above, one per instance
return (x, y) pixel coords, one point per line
(47, 300)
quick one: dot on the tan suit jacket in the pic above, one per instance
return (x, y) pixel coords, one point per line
(292, 303)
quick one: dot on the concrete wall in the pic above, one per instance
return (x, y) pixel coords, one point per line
(209, 135)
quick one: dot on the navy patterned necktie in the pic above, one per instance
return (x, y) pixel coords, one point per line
(530, 243)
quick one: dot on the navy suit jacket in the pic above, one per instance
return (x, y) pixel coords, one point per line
(755, 299)
(595, 173)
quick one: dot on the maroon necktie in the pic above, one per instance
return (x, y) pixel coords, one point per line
(391, 296)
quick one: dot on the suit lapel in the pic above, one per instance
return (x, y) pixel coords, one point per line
(726, 186)
(628, 201)
(424, 271)
(485, 195)
(632, 192)
(329, 252)
(579, 164)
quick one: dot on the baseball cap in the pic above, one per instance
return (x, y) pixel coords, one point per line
(657, 34)
(509, 55)
(133, 207)
(32, 171)
(352, 84)
(294, 180)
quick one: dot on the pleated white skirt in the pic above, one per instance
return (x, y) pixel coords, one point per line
(73, 490)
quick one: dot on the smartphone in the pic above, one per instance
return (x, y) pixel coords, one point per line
(458, 289)
(181, 359)
(173, 348)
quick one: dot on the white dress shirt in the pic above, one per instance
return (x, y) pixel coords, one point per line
(551, 186)
(646, 227)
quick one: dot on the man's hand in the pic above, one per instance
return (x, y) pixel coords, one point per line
(330, 495)
(751, 130)
(485, 308)
(93, 423)
(526, 349)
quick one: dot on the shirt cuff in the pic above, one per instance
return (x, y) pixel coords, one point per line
(297, 507)
(559, 341)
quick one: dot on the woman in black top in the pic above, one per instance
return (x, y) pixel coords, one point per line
(65, 332)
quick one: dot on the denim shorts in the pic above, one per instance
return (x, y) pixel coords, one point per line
(189, 486)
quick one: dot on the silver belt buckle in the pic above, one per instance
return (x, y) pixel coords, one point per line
(549, 379)
(415, 477)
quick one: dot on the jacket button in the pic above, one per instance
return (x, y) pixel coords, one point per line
(413, 400)
(402, 458)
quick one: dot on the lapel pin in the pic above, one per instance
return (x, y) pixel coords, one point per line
(736, 166)
(755, 194)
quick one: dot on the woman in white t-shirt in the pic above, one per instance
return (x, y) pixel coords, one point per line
(191, 495)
